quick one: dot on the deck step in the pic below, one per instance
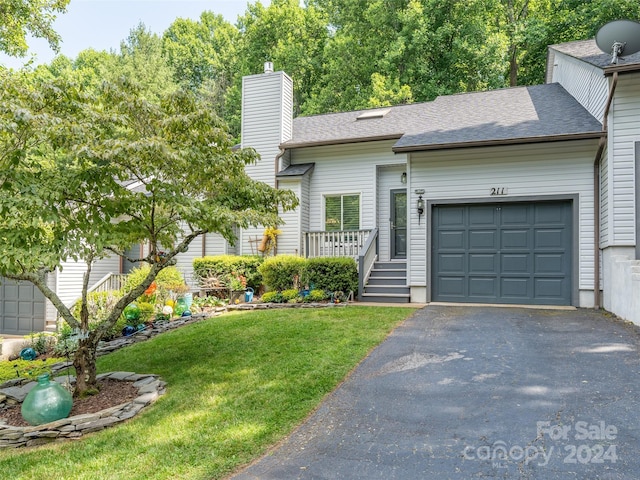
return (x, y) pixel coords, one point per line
(387, 283)
(385, 298)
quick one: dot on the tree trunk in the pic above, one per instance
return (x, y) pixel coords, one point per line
(84, 362)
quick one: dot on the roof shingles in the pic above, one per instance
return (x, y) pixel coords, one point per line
(522, 114)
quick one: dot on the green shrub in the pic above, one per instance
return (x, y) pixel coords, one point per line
(332, 274)
(316, 296)
(291, 294)
(169, 278)
(272, 297)
(226, 267)
(282, 272)
(147, 311)
(99, 305)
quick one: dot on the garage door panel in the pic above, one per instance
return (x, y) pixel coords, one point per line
(483, 263)
(514, 215)
(451, 217)
(482, 216)
(550, 288)
(516, 288)
(504, 253)
(515, 263)
(515, 239)
(549, 214)
(549, 238)
(453, 287)
(483, 287)
(451, 239)
(452, 263)
(546, 263)
(483, 239)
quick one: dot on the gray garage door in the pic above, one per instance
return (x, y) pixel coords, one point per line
(502, 253)
(22, 308)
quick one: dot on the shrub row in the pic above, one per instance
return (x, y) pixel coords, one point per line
(284, 272)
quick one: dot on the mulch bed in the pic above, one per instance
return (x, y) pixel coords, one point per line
(112, 393)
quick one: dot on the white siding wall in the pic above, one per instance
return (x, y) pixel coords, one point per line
(604, 200)
(267, 109)
(586, 83)
(624, 131)
(527, 170)
(69, 281)
(388, 179)
(343, 169)
(290, 238)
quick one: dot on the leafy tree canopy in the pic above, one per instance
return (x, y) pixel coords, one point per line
(34, 17)
(87, 172)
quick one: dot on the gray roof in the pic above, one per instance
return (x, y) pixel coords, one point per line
(296, 170)
(588, 51)
(510, 115)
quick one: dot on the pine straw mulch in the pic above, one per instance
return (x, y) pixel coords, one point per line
(112, 393)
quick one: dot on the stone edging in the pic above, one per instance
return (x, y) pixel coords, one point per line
(149, 386)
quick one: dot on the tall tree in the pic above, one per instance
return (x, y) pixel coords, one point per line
(34, 17)
(290, 36)
(418, 48)
(201, 51)
(85, 173)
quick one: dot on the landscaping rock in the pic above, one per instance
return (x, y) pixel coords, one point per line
(150, 387)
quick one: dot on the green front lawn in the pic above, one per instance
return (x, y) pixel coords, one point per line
(236, 385)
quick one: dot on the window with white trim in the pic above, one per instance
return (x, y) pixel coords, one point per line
(342, 212)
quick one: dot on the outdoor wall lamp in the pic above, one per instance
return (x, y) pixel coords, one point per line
(403, 178)
(420, 207)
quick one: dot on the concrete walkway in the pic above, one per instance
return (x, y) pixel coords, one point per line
(479, 392)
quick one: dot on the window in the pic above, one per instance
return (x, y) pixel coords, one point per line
(342, 212)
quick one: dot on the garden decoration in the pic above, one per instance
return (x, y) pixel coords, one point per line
(132, 314)
(46, 402)
(248, 295)
(181, 306)
(128, 331)
(28, 354)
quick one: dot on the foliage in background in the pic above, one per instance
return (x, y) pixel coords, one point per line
(228, 267)
(22, 18)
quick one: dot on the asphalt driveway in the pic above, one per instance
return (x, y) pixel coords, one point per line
(469, 392)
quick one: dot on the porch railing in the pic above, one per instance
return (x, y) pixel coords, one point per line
(111, 281)
(346, 243)
(367, 257)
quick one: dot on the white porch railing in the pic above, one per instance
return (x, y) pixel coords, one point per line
(366, 259)
(111, 281)
(334, 243)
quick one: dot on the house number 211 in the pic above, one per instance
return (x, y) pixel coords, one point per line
(498, 190)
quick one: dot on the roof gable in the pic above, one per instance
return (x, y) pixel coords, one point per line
(588, 51)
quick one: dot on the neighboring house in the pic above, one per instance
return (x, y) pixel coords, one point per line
(487, 197)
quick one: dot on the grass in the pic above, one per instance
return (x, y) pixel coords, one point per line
(236, 385)
(26, 368)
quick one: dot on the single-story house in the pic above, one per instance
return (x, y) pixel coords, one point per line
(525, 195)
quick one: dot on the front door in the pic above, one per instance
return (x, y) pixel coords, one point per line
(398, 224)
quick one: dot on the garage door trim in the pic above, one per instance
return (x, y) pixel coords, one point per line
(575, 230)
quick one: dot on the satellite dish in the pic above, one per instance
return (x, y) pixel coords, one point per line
(620, 37)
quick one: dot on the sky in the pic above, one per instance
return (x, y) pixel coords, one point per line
(102, 24)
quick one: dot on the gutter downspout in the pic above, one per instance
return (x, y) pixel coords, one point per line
(596, 194)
